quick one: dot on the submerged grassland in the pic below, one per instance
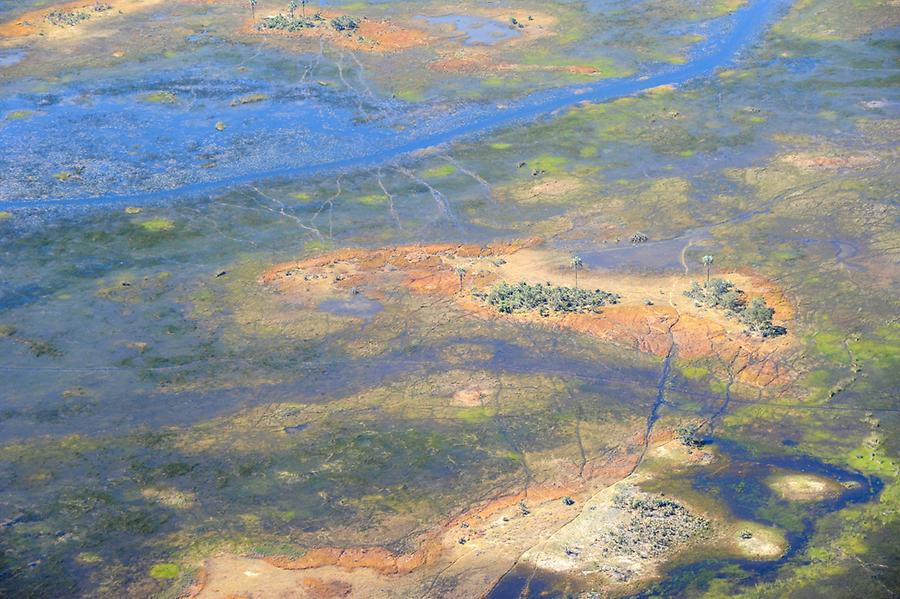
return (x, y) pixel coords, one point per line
(301, 384)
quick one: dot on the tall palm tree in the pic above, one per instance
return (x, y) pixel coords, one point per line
(577, 264)
(292, 7)
(461, 273)
(253, 8)
(303, 4)
(707, 261)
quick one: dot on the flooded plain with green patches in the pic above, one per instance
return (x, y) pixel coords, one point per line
(242, 341)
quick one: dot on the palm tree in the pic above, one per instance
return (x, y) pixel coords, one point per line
(303, 4)
(576, 266)
(707, 261)
(253, 8)
(461, 273)
(292, 7)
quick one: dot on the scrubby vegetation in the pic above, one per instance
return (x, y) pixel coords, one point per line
(344, 23)
(723, 295)
(638, 238)
(545, 298)
(292, 23)
(69, 18)
(656, 525)
(689, 436)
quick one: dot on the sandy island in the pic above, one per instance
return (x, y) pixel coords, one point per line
(602, 531)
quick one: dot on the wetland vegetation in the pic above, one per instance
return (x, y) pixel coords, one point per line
(318, 311)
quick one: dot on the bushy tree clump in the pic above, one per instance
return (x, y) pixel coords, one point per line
(69, 18)
(288, 23)
(292, 22)
(344, 23)
(723, 295)
(523, 297)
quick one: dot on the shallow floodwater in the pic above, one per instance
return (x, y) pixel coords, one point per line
(298, 146)
(160, 403)
(477, 30)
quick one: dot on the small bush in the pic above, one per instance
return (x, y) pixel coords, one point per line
(344, 23)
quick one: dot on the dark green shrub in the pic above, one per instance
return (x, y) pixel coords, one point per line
(523, 297)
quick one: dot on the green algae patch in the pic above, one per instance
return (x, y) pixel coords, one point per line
(165, 571)
(372, 200)
(723, 7)
(303, 196)
(157, 225)
(475, 415)
(800, 486)
(410, 95)
(500, 146)
(249, 99)
(133, 210)
(160, 98)
(548, 163)
(88, 558)
(444, 170)
(4, 214)
(694, 372)
(17, 115)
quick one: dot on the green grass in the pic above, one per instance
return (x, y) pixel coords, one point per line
(157, 225)
(164, 571)
(443, 170)
(161, 98)
(17, 115)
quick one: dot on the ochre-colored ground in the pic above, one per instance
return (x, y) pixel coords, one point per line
(372, 35)
(467, 555)
(403, 33)
(653, 314)
(35, 22)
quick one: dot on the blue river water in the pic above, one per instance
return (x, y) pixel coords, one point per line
(734, 35)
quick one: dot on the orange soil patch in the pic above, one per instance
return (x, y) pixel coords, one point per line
(495, 532)
(468, 397)
(372, 35)
(321, 589)
(634, 323)
(35, 22)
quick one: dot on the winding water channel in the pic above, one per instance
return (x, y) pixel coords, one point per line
(740, 31)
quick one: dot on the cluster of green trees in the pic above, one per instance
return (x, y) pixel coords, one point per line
(291, 22)
(723, 295)
(524, 297)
